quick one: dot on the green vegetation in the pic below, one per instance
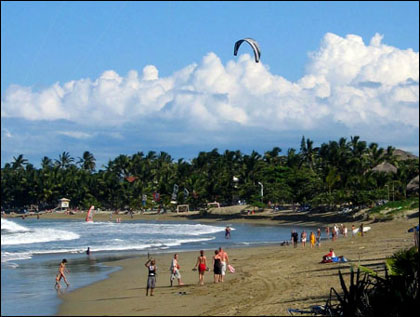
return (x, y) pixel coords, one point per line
(336, 173)
(395, 294)
(392, 209)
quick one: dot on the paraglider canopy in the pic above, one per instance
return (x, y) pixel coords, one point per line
(254, 45)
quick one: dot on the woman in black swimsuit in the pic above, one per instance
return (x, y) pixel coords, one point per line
(217, 266)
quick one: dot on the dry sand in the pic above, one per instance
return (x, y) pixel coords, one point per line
(268, 280)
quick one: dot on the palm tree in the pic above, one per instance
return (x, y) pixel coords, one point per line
(64, 160)
(19, 162)
(87, 161)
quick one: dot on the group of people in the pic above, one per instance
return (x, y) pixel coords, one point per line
(313, 239)
(220, 265)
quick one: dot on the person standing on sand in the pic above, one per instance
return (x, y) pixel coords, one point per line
(327, 231)
(295, 238)
(303, 238)
(224, 259)
(217, 266)
(61, 270)
(318, 237)
(151, 277)
(312, 239)
(361, 230)
(202, 266)
(175, 270)
(352, 230)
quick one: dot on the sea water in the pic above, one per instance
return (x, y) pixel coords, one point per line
(32, 249)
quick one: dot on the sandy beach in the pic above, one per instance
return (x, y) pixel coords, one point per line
(267, 281)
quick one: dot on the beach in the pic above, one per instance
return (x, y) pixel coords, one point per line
(268, 279)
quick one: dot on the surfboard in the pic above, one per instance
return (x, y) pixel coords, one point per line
(231, 268)
(365, 229)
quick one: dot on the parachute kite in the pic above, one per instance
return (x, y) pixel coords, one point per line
(254, 45)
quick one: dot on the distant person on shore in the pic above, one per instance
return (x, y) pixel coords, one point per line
(295, 238)
(318, 237)
(217, 266)
(151, 277)
(175, 270)
(352, 230)
(345, 231)
(202, 267)
(312, 239)
(224, 259)
(327, 232)
(334, 233)
(361, 230)
(227, 232)
(303, 238)
(88, 251)
(61, 270)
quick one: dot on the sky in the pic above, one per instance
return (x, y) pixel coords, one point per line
(125, 77)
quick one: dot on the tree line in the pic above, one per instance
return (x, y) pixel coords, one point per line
(335, 173)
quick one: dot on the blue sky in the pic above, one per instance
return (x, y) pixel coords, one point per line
(121, 77)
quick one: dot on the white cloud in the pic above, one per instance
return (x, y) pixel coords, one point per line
(346, 82)
(75, 134)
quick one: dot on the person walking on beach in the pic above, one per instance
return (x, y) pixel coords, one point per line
(312, 239)
(303, 238)
(61, 270)
(352, 230)
(202, 266)
(175, 270)
(151, 277)
(345, 231)
(318, 237)
(361, 230)
(217, 266)
(327, 232)
(224, 259)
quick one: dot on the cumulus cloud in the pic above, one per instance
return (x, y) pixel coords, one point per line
(346, 82)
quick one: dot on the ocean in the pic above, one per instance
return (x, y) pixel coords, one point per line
(32, 249)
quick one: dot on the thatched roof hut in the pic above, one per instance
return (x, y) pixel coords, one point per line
(385, 167)
(413, 185)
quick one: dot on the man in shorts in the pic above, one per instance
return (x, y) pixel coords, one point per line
(175, 270)
(151, 276)
(224, 259)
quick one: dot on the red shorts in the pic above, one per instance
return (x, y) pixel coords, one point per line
(201, 267)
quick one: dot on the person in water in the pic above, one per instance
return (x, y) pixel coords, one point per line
(227, 232)
(61, 270)
(151, 277)
(202, 266)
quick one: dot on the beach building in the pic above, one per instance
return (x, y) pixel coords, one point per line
(63, 204)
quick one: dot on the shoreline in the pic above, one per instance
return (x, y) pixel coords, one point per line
(286, 217)
(268, 279)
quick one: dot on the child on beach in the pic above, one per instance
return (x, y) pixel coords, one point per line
(61, 270)
(202, 267)
(151, 277)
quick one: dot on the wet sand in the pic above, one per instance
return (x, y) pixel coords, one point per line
(268, 280)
